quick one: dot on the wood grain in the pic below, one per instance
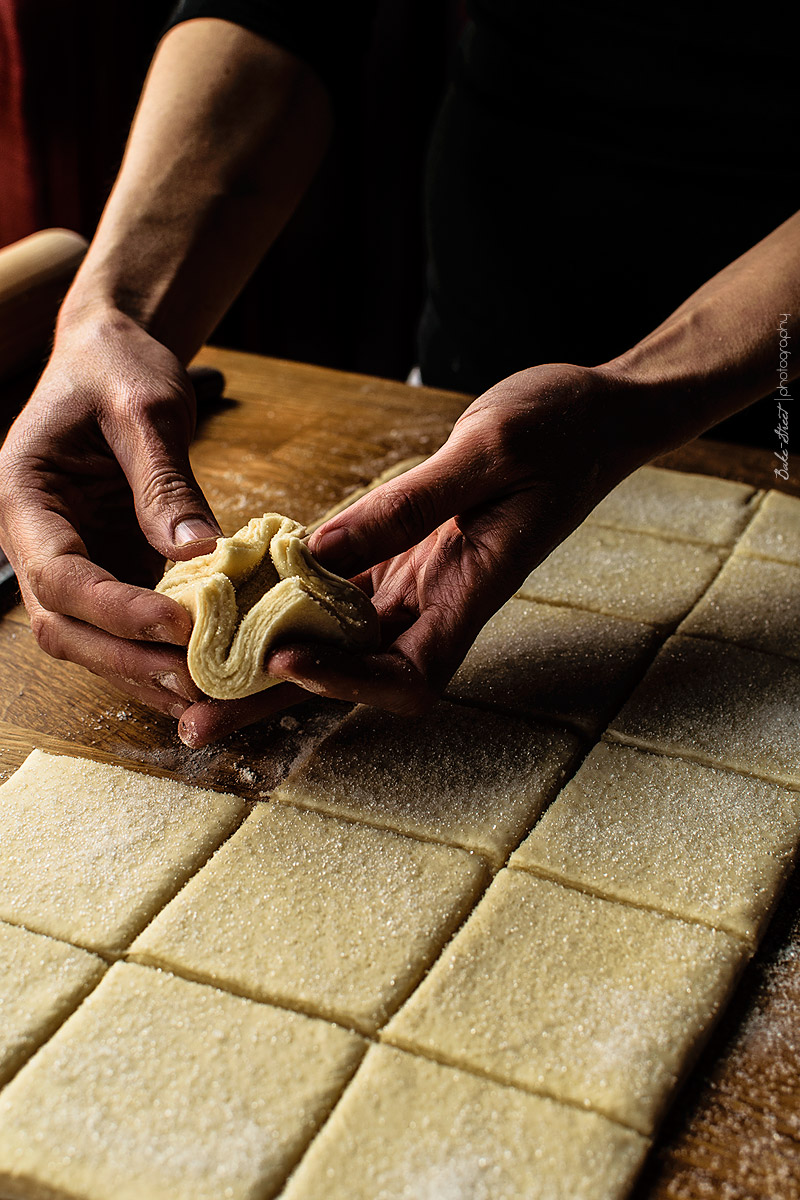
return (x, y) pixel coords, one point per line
(297, 439)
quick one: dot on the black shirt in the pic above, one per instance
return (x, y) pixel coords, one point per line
(591, 166)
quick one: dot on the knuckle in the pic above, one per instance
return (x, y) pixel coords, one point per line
(51, 578)
(117, 663)
(166, 486)
(412, 514)
(39, 574)
(14, 486)
(150, 416)
(45, 628)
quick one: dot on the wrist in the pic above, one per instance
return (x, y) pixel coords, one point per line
(90, 315)
(700, 366)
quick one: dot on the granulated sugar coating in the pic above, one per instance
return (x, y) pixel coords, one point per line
(41, 981)
(775, 530)
(693, 841)
(625, 574)
(409, 1129)
(601, 1004)
(159, 1087)
(571, 665)
(458, 775)
(719, 704)
(89, 852)
(740, 1137)
(752, 602)
(696, 507)
(324, 915)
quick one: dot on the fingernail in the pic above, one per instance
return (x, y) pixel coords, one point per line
(187, 736)
(335, 549)
(171, 682)
(194, 530)
(160, 633)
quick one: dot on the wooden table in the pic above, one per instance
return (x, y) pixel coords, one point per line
(296, 439)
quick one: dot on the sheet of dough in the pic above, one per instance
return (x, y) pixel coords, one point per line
(90, 852)
(255, 591)
(693, 841)
(157, 1087)
(698, 508)
(457, 775)
(581, 999)
(719, 704)
(392, 472)
(409, 1129)
(625, 574)
(333, 918)
(41, 981)
(540, 659)
(774, 532)
(752, 602)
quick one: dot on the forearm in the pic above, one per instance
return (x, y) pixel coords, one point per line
(717, 353)
(228, 134)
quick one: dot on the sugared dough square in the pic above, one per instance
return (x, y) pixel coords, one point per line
(774, 532)
(585, 1000)
(332, 917)
(753, 602)
(157, 1087)
(720, 704)
(699, 508)
(625, 574)
(410, 1129)
(457, 775)
(89, 852)
(569, 664)
(693, 841)
(41, 980)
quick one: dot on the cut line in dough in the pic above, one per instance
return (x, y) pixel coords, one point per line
(411, 1129)
(392, 472)
(257, 589)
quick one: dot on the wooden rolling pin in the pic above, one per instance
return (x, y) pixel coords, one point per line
(34, 276)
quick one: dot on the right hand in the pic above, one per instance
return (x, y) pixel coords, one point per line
(96, 491)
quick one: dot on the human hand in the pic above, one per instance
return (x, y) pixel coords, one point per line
(95, 491)
(442, 547)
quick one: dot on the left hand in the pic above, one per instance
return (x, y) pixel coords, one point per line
(442, 547)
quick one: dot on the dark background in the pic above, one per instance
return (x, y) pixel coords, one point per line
(343, 286)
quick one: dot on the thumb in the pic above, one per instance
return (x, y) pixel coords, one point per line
(401, 513)
(172, 511)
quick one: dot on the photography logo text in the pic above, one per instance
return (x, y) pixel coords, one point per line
(782, 425)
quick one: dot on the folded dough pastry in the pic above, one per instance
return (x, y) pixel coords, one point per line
(260, 588)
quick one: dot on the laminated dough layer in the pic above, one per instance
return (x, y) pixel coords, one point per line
(326, 916)
(458, 775)
(692, 841)
(753, 602)
(565, 663)
(567, 995)
(157, 1087)
(41, 981)
(774, 532)
(719, 704)
(89, 852)
(256, 590)
(625, 574)
(410, 1129)
(676, 504)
